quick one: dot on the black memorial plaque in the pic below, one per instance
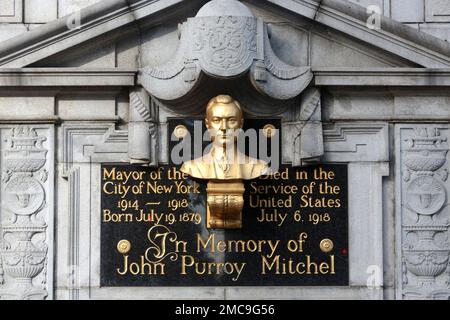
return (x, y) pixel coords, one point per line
(288, 220)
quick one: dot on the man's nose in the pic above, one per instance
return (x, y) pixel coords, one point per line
(223, 125)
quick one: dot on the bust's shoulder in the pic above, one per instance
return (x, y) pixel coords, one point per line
(188, 166)
(254, 161)
(195, 168)
(255, 168)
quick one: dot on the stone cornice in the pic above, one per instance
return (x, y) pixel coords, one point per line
(60, 77)
(96, 20)
(382, 77)
(115, 77)
(394, 37)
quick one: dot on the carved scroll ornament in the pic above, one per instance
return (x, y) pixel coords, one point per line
(223, 46)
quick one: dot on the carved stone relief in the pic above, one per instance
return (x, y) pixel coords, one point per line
(425, 216)
(24, 222)
(305, 128)
(224, 47)
(142, 128)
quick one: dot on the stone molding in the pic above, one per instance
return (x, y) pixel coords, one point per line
(62, 77)
(84, 144)
(331, 76)
(96, 20)
(13, 11)
(104, 144)
(399, 77)
(350, 141)
(350, 18)
(48, 77)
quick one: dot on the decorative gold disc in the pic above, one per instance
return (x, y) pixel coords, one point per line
(180, 131)
(269, 130)
(124, 246)
(326, 245)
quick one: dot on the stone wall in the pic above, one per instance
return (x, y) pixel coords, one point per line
(430, 16)
(19, 16)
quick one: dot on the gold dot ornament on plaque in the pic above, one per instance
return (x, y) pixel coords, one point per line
(326, 245)
(124, 246)
(180, 131)
(269, 130)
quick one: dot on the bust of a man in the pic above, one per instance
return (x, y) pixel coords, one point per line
(224, 119)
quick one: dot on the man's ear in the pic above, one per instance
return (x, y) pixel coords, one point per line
(207, 123)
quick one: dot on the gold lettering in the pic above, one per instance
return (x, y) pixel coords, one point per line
(108, 216)
(275, 264)
(281, 266)
(200, 242)
(308, 202)
(272, 202)
(123, 176)
(332, 264)
(212, 268)
(221, 246)
(321, 174)
(125, 266)
(323, 268)
(273, 189)
(240, 246)
(175, 174)
(142, 268)
(183, 244)
(301, 175)
(153, 187)
(310, 264)
(325, 188)
(185, 264)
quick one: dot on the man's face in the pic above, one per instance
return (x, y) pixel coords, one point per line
(223, 121)
(23, 199)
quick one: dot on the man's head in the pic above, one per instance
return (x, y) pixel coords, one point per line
(23, 199)
(223, 118)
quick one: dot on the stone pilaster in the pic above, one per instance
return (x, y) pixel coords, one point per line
(423, 212)
(26, 217)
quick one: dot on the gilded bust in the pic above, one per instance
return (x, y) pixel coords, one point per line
(224, 119)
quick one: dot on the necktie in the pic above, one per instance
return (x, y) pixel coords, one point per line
(224, 163)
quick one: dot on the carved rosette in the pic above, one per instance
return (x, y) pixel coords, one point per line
(23, 253)
(425, 221)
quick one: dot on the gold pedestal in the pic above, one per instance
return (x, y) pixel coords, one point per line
(225, 203)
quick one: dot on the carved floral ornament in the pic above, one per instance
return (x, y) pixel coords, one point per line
(23, 247)
(425, 246)
(224, 41)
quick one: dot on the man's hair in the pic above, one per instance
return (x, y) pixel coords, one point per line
(223, 99)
